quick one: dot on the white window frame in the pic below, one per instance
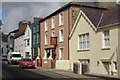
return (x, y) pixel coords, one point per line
(53, 35)
(83, 42)
(61, 39)
(61, 55)
(106, 45)
(46, 25)
(53, 22)
(60, 21)
(46, 39)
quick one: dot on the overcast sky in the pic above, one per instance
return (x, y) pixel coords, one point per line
(13, 12)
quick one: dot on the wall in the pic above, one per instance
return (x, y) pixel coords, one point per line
(19, 45)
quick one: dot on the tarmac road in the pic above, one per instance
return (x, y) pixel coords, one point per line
(13, 72)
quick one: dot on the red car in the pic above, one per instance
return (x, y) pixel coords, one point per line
(26, 62)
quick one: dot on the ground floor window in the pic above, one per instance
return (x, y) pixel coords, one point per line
(114, 65)
(61, 54)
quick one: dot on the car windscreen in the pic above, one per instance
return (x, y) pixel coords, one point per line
(16, 55)
(4, 56)
(28, 60)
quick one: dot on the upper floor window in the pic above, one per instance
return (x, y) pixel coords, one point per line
(28, 42)
(60, 19)
(53, 22)
(28, 32)
(46, 25)
(61, 35)
(37, 27)
(83, 42)
(106, 42)
(34, 29)
(38, 38)
(53, 34)
(46, 39)
(34, 38)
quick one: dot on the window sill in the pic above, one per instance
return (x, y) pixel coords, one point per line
(60, 25)
(83, 50)
(46, 44)
(60, 41)
(52, 28)
(106, 48)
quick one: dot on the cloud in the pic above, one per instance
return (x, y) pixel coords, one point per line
(13, 12)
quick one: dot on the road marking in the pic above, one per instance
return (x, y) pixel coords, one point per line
(2, 77)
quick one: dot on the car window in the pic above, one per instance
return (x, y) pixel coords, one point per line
(28, 60)
(16, 55)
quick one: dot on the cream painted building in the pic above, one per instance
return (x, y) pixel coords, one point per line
(94, 41)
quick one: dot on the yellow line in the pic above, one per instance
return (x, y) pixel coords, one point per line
(2, 77)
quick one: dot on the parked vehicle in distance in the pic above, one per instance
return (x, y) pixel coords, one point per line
(4, 58)
(14, 57)
(26, 62)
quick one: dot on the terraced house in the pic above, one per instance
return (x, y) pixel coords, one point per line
(35, 32)
(94, 41)
(55, 29)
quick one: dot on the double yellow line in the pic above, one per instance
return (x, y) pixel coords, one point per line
(3, 78)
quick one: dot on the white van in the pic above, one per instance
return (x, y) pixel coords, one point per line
(14, 57)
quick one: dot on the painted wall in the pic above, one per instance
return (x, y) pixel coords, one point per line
(96, 52)
(27, 37)
(19, 45)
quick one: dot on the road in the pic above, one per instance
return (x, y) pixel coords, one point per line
(13, 72)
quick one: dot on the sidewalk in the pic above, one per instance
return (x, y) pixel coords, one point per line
(103, 76)
(67, 73)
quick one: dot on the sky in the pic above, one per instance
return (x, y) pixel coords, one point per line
(14, 11)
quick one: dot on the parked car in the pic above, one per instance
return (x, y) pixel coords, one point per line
(4, 58)
(26, 62)
(14, 57)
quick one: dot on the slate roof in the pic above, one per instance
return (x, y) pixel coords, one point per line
(18, 34)
(109, 17)
(84, 4)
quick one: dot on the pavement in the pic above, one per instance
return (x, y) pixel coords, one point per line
(70, 74)
(66, 73)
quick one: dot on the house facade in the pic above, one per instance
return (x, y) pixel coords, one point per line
(27, 41)
(35, 32)
(19, 45)
(94, 40)
(11, 40)
(56, 27)
(19, 38)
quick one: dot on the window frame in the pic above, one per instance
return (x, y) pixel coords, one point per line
(53, 22)
(61, 22)
(61, 57)
(46, 39)
(46, 26)
(60, 35)
(106, 37)
(84, 41)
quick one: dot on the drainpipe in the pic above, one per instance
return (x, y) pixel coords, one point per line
(68, 31)
(118, 53)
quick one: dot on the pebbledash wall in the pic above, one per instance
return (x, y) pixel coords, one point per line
(96, 55)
